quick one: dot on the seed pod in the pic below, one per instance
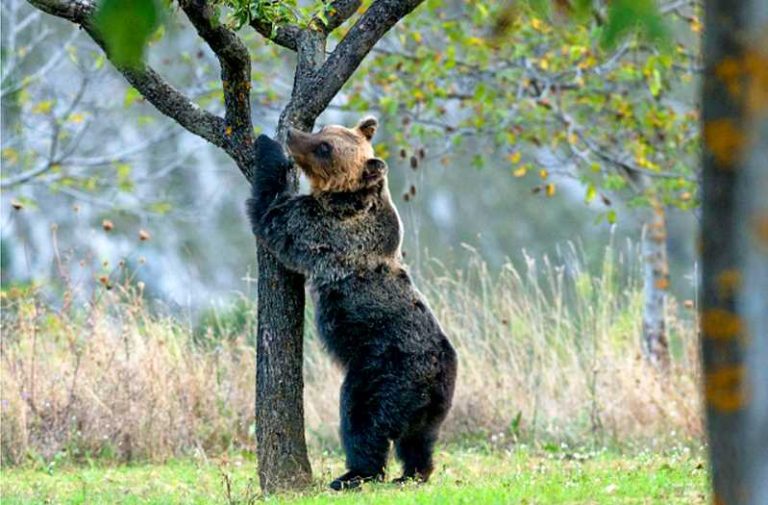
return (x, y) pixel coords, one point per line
(422, 153)
(412, 190)
(414, 162)
(144, 235)
(17, 205)
(406, 197)
(403, 153)
(107, 225)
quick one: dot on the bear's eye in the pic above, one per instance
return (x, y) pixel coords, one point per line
(323, 150)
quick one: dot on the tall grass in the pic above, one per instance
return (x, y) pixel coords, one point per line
(549, 352)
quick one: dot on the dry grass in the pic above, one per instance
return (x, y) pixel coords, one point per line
(550, 353)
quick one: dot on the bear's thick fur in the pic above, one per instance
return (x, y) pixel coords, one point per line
(345, 237)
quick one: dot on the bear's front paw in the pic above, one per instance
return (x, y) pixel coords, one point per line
(270, 153)
(264, 142)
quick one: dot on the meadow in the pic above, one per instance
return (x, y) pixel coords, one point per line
(111, 398)
(465, 476)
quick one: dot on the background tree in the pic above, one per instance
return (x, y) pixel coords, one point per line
(557, 103)
(734, 249)
(318, 77)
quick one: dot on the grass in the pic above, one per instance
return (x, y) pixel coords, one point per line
(547, 354)
(466, 476)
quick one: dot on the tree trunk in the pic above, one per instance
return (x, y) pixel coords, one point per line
(282, 450)
(656, 284)
(734, 241)
(281, 445)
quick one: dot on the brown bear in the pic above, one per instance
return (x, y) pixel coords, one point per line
(345, 237)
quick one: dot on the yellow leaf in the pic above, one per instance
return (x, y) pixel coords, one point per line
(475, 41)
(11, 155)
(696, 25)
(550, 190)
(43, 107)
(76, 118)
(543, 173)
(520, 172)
(536, 24)
(544, 64)
(591, 193)
(514, 157)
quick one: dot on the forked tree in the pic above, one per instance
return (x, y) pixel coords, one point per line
(318, 76)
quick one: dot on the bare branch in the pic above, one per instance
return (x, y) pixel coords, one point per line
(147, 82)
(286, 36)
(53, 158)
(235, 68)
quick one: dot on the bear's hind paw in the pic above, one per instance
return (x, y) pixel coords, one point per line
(353, 480)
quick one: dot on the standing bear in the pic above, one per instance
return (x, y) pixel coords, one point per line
(345, 237)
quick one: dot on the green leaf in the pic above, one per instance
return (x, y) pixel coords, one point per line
(591, 193)
(124, 181)
(611, 216)
(654, 82)
(160, 207)
(627, 15)
(126, 26)
(131, 95)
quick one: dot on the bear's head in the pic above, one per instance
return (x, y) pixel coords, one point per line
(338, 158)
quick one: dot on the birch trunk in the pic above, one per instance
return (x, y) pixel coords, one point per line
(655, 286)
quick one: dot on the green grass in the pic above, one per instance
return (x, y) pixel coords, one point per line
(463, 476)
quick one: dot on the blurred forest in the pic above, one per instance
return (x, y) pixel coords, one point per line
(97, 185)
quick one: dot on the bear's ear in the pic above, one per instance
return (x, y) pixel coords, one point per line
(374, 170)
(367, 126)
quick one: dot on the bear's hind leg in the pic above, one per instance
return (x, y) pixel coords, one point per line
(366, 452)
(415, 452)
(365, 442)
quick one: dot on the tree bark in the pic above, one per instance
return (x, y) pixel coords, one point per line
(655, 286)
(734, 241)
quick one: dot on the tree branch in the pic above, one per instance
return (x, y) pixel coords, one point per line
(147, 82)
(235, 64)
(338, 12)
(285, 36)
(346, 57)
